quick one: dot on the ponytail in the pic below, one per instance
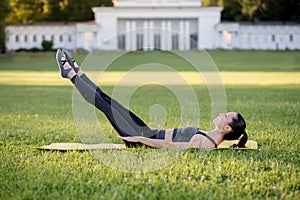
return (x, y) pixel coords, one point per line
(242, 142)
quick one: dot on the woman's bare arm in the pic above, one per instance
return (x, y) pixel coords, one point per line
(148, 141)
(195, 142)
(151, 142)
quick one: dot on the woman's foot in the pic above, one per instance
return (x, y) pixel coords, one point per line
(65, 68)
(71, 60)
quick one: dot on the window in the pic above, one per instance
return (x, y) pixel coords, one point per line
(175, 45)
(34, 38)
(157, 45)
(139, 41)
(121, 42)
(60, 38)
(291, 38)
(264, 38)
(25, 38)
(17, 38)
(273, 38)
(255, 38)
(227, 35)
(194, 41)
(70, 38)
(43, 37)
(52, 37)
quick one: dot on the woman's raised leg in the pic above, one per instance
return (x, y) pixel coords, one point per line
(124, 121)
(121, 109)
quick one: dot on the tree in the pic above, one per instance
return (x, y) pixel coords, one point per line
(279, 10)
(54, 10)
(232, 11)
(258, 10)
(211, 3)
(4, 10)
(266, 10)
(292, 8)
(25, 11)
(29, 11)
(83, 9)
(71, 10)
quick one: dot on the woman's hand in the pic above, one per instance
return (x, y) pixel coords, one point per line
(131, 138)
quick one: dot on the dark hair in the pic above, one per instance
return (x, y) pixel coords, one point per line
(238, 126)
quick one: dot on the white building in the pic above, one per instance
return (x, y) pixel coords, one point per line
(258, 36)
(155, 24)
(72, 35)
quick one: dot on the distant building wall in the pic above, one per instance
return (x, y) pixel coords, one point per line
(258, 36)
(71, 36)
(156, 24)
(31, 36)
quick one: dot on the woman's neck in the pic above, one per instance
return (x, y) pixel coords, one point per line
(216, 135)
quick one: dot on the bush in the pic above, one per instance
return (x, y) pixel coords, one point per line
(34, 49)
(47, 45)
(21, 50)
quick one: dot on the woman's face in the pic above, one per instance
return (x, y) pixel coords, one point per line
(223, 120)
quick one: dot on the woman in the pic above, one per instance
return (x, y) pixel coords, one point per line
(134, 132)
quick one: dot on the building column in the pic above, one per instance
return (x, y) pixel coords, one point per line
(187, 35)
(128, 36)
(163, 35)
(199, 34)
(151, 35)
(182, 35)
(133, 35)
(146, 35)
(169, 35)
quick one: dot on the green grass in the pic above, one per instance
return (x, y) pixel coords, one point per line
(257, 60)
(38, 115)
(33, 116)
(225, 60)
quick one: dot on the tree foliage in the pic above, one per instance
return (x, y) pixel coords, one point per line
(28, 11)
(258, 10)
(25, 11)
(4, 10)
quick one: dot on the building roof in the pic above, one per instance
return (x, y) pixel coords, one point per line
(157, 3)
(47, 24)
(263, 23)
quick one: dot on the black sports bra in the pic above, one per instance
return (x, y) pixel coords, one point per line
(184, 134)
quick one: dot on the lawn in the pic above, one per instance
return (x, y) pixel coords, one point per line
(281, 61)
(35, 113)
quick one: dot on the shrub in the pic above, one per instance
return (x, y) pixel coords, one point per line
(34, 49)
(47, 45)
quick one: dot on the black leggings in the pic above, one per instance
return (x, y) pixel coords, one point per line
(123, 120)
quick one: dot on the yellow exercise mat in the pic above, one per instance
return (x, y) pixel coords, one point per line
(80, 146)
(251, 144)
(226, 144)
